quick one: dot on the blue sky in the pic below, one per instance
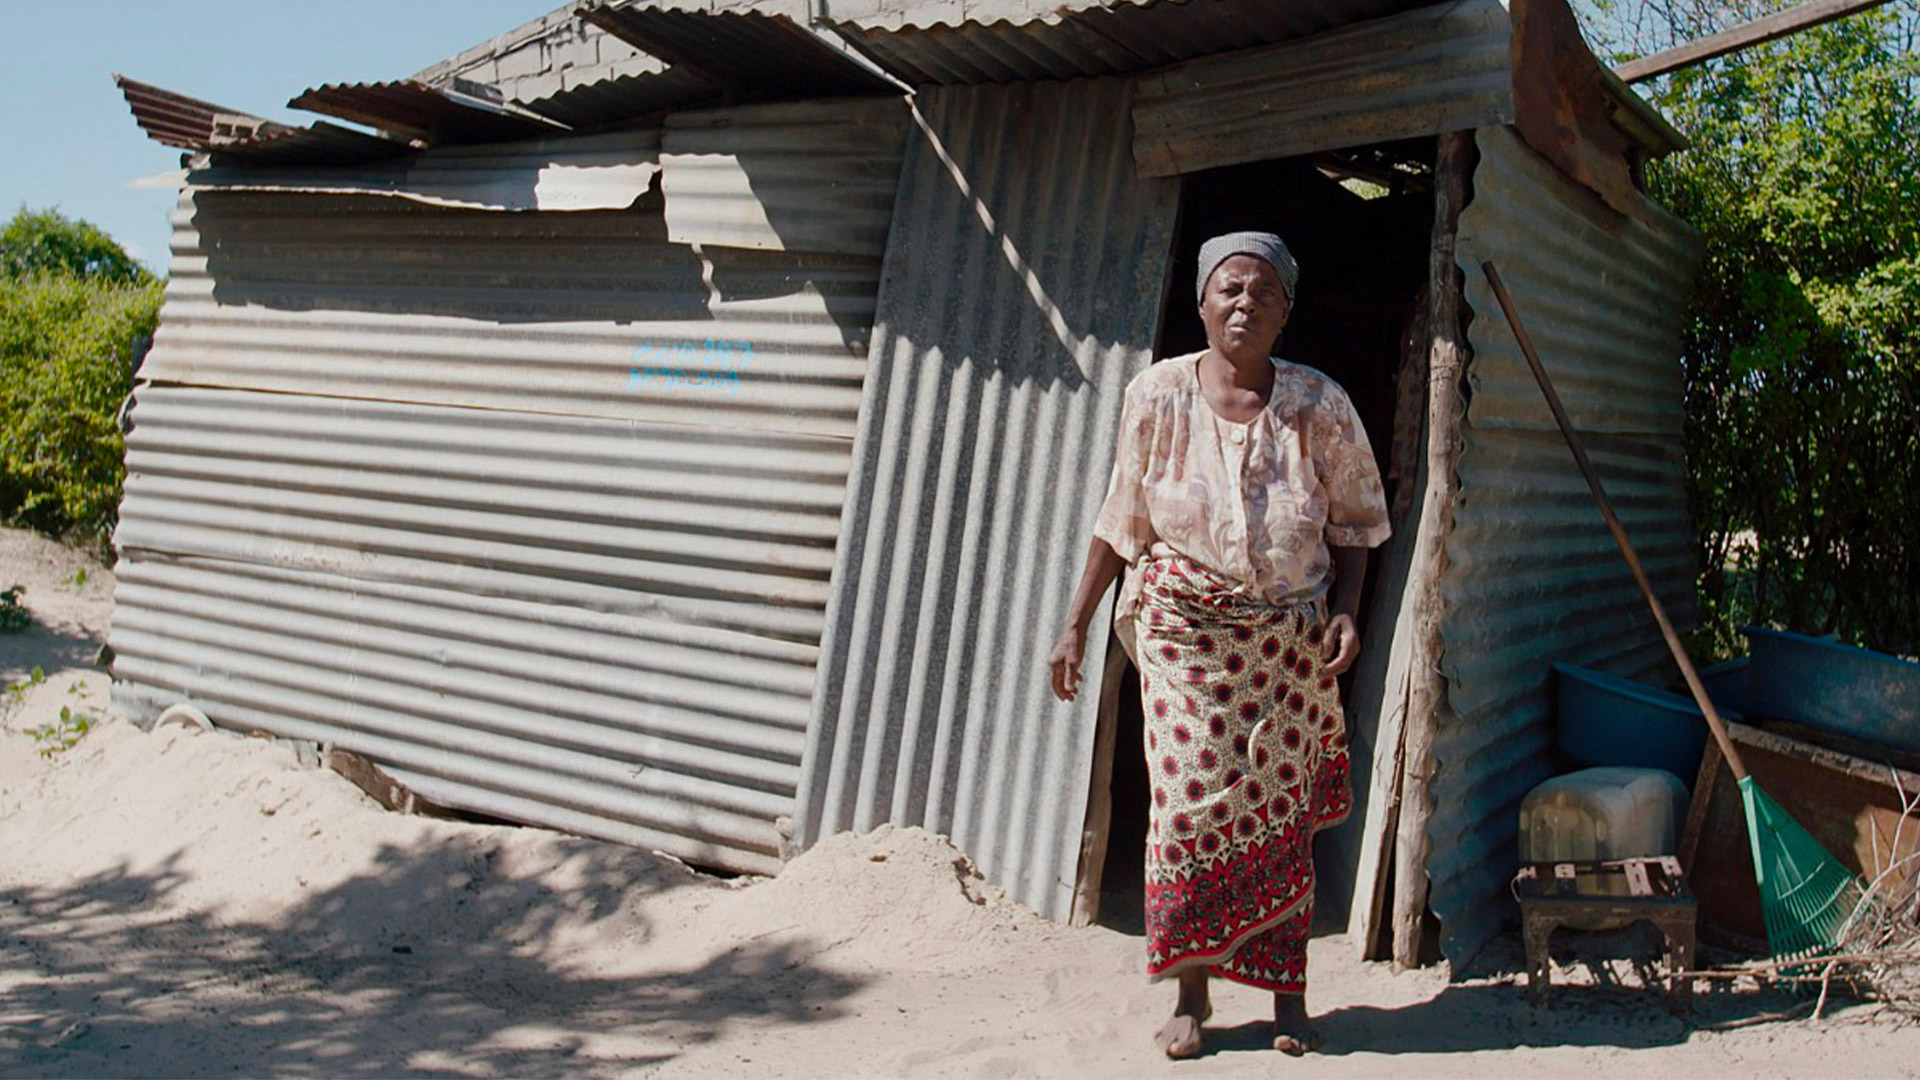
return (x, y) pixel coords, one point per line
(70, 142)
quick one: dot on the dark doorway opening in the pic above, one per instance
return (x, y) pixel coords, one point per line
(1360, 224)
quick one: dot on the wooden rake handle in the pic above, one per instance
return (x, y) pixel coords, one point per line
(1700, 698)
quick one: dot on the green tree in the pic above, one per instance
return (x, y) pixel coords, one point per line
(1801, 361)
(46, 242)
(74, 311)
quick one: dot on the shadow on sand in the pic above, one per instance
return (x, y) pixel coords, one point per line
(381, 975)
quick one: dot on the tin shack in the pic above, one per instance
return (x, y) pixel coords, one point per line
(681, 425)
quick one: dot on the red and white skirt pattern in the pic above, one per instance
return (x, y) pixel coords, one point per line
(1247, 752)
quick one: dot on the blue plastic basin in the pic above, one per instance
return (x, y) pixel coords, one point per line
(1608, 720)
(1868, 695)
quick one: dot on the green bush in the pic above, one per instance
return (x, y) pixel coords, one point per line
(1802, 365)
(67, 347)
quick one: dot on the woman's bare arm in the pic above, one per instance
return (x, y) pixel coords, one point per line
(1069, 652)
(1342, 645)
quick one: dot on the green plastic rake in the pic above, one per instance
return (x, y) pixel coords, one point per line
(1806, 894)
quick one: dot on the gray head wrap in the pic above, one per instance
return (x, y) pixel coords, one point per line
(1260, 245)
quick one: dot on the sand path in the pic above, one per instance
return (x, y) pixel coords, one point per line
(202, 905)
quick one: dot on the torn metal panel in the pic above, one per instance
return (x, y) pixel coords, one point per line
(584, 172)
(434, 113)
(805, 176)
(591, 313)
(1108, 39)
(1441, 68)
(1534, 575)
(1022, 292)
(765, 55)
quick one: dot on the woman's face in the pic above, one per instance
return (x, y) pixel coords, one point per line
(1245, 306)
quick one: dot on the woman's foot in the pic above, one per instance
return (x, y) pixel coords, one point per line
(1179, 1037)
(1293, 1033)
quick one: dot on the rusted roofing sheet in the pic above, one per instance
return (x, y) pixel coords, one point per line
(1442, 68)
(764, 55)
(1117, 38)
(191, 124)
(1533, 575)
(434, 113)
(172, 119)
(1022, 290)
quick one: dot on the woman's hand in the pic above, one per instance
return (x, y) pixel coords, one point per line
(1063, 665)
(1341, 645)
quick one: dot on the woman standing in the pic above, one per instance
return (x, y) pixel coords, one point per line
(1244, 499)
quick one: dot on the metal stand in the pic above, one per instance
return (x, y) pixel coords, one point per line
(1656, 891)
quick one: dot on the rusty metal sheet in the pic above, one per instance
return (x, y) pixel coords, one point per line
(434, 113)
(1851, 802)
(172, 119)
(1441, 68)
(191, 124)
(1563, 107)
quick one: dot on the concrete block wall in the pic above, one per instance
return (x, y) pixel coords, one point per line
(540, 58)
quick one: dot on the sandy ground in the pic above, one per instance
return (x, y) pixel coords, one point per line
(192, 904)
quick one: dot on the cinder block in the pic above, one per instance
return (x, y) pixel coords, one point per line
(535, 87)
(528, 59)
(577, 52)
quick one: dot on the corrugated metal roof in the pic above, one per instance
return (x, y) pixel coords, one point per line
(802, 176)
(172, 119)
(620, 99)
(762, 54)
(591, 314)
(434, 113)
(594, 603)
(1112, 39)
(1443, 68)
(582, 172)
(191, 124)
(1022, 292)
(1534, 575)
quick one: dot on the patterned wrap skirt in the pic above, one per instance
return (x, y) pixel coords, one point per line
(1247, 752)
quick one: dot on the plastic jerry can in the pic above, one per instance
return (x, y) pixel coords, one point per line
(1596, 815)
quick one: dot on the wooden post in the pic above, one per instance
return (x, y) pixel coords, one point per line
(1426, 690)
(1098, 830)
(1745, 36)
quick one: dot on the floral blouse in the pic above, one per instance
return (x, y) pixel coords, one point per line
(1258, 503)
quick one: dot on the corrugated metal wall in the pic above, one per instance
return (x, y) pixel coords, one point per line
(1022, 291)
(1534, 575)
(582, 172)
(1447, 67)
(802, 176)
(537, 509)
